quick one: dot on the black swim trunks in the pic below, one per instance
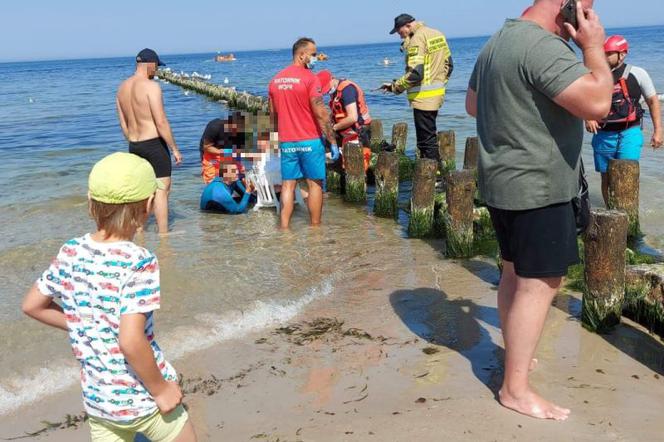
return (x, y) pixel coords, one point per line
(540, 242)
(156, 152)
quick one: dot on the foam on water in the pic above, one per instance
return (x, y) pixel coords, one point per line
(178, 343)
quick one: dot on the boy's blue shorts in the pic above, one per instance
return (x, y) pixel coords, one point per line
(624, 145)
(303, 159)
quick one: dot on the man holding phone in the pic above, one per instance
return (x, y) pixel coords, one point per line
(530, 95)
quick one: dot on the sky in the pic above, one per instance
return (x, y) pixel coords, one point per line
(64, 29)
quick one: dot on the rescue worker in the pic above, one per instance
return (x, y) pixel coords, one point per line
(350, 114)
(429, 66)
(221, 142)
(619, 135)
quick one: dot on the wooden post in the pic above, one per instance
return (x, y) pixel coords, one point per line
(422, 199)
(447, 151)
(399, 136)
(377, 137)
(605, 244)
(471, 156)
(459, 219)
(356, 179)
(387, 185)
(624, 192)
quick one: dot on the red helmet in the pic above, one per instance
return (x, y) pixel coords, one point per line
(616, 43)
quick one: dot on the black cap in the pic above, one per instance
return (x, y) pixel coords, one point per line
(148, 56)
(401, 20)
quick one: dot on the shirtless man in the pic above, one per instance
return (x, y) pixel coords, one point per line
(144, 124)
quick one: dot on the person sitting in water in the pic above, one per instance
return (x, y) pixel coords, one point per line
(227, 194)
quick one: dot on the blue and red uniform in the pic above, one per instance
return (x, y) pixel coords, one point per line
(300, 138)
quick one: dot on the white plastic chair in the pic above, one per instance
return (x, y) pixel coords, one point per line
(264, 179)
(265, 193)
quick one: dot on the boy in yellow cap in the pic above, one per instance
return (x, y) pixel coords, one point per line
(108, 290)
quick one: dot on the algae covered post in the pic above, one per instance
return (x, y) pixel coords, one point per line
(460, 214)
(399, 136)
(422, 199)
(356, 182)
(377, 136)
(387, 185)
(447, 151)
(605, 245)
(624, 191)
(472, 153)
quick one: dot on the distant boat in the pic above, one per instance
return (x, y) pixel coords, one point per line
(221, 58)
(386, 61)
(322, 57)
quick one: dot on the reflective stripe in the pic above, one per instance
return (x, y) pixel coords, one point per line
(438, 43)
(426, 94)
(427, 70)
(416, 60)
(426, 91)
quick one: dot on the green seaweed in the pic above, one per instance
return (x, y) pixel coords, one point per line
(439, 211)
(460, 244)
(385, 204)
(421, 223)
(641, 309)
(637, 258)
(333, 182)
(599, 317)
(356, 191)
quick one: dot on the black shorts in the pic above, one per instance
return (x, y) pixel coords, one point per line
(540, 242)
(156, 152)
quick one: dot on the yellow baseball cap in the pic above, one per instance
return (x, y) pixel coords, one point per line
(122, 178)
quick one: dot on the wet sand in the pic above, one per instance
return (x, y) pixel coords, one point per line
(405, 349)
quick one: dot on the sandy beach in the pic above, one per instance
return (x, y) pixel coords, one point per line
(405, 349)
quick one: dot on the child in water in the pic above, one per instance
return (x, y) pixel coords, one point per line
(107, 289)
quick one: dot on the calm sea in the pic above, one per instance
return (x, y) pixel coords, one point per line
(222, 275)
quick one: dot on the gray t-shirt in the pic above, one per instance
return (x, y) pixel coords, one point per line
(530, 145)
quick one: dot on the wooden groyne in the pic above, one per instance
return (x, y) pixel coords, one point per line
(441, 207)
(236, 100)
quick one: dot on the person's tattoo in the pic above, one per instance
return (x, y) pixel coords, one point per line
(325, 123)
(318, 101)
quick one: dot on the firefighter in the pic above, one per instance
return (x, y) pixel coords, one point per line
(428, 68)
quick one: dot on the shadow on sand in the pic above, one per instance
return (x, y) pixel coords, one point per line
(458, 324)
(633, 341)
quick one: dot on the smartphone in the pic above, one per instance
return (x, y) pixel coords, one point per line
(568, 11)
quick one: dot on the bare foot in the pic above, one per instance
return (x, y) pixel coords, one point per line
(534, 362)
(533, 405)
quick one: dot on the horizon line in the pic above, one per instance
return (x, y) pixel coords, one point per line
(458, 37)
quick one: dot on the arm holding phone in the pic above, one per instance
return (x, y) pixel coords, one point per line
(589, 97)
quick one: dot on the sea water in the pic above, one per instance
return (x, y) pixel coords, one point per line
(222, 275)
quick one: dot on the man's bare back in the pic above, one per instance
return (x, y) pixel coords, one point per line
(143, 121)
(134, 99)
